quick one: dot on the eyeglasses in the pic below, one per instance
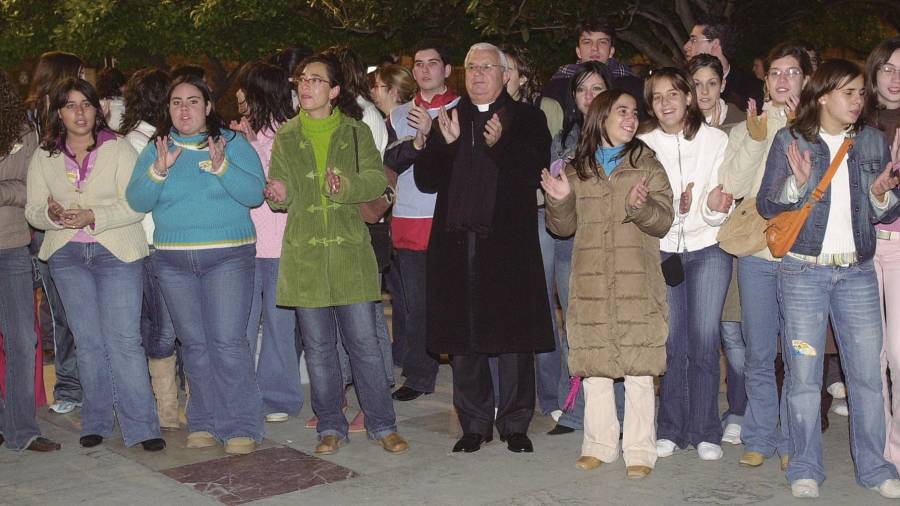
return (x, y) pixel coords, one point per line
(791, 72)
(487, 67)
(312, 81)
(889, 70)
(379, 86)
(693, 39)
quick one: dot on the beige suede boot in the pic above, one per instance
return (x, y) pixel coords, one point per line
(165, 389)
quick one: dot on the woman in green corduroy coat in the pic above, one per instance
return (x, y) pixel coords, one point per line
(324, 164)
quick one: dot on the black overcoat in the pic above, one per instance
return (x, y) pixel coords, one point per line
(497, 302)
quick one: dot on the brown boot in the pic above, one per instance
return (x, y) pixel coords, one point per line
(165, 389)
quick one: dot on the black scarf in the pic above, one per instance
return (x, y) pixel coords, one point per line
(473, 182)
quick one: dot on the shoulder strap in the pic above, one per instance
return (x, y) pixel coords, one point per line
(356, 150)
(835, 163)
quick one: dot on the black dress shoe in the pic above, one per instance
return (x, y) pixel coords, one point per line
(1, 440)
(518, 442)
(405, 393)
(560, 429)
(90, 440)
(42, 444)
(471, 443)
(154, 445)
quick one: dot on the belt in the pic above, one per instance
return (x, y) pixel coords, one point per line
(887, 235)
(830, 259)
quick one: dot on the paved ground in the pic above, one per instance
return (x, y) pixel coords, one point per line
(285, 472)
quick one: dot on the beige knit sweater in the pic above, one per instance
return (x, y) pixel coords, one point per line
(116, 226)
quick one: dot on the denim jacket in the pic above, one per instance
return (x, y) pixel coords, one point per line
(866, 159)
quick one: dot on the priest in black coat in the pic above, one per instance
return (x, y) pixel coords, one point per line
(485, 289)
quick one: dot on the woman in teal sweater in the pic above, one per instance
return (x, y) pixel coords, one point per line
(200, 180)
(324, 164)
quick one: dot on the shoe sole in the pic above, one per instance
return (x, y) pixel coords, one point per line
(240, 449)
(202, 442)
(276, 419)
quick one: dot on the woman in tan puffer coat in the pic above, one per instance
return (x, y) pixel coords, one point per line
(617, 197)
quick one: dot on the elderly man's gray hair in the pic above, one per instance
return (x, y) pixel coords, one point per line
(487, 46)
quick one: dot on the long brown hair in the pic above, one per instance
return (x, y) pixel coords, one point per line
(54, 135)
(681, 81)
(145, 99)
(830, 76)
(594, 133)
(52, 68)
(12, 115)
(878, 57)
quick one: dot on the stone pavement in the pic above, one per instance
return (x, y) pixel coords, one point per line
(285, 471)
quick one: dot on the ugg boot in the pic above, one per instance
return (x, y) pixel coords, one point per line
(182, 410)
(165, 388)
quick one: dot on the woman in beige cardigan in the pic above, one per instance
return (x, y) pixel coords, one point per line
(616, 198)
(95, 247)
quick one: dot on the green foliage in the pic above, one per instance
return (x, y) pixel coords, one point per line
(228, 32)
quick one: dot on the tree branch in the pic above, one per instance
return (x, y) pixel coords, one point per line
(643, 45)
(683, 8)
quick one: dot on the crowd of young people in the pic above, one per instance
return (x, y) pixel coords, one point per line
(167, 236)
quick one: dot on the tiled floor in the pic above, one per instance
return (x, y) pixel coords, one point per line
(285, 471)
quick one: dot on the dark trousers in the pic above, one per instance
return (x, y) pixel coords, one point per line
(419, 367)
(473, 393)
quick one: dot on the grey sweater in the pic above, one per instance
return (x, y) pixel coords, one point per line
(14, 231)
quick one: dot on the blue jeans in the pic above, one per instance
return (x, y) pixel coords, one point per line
(102, 296)
(68, 387)
(208, 293)
(550, 369)
(419, 367)
(761, 431)
(733, 345)
(356, 324)
(689, 391)
(17, 422)
(277, 368)
(384, 347)
(156, 323)
(809, 294)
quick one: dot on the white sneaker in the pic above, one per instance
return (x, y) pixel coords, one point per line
(664, 448)
(839, 407)
(277, 417)
(709, 451)
(63, 407)
(805, 488)
(732, 434)
(837, 390)
(889, 488)
(556, 414)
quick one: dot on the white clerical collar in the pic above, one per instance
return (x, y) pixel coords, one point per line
(483, 107)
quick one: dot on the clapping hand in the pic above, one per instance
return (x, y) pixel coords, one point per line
(55, 210)
(493, 130)
(718, 200)
(801, 164)
(756, 123)
(557, 187)
(886, 181)
(77, 218)
(275, 191)
(334, 181)
(684, 205)
(449, 124)
(638, 194)
(217, 153)
(164, 158)
(243, 126)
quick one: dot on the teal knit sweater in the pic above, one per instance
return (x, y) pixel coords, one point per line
(193, 208)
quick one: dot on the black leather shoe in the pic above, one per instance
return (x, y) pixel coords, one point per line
(471, 443)
(90, 440)
(42, 444)
(560, 429)
(405, 393)
(1, 440)
(518, 442)
(154, 445)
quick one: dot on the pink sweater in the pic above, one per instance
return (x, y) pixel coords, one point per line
(269, 225)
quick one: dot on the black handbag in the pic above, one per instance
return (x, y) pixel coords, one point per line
(380, 232)
(673, 270)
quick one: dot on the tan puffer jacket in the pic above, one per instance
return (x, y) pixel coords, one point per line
(617, 321)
